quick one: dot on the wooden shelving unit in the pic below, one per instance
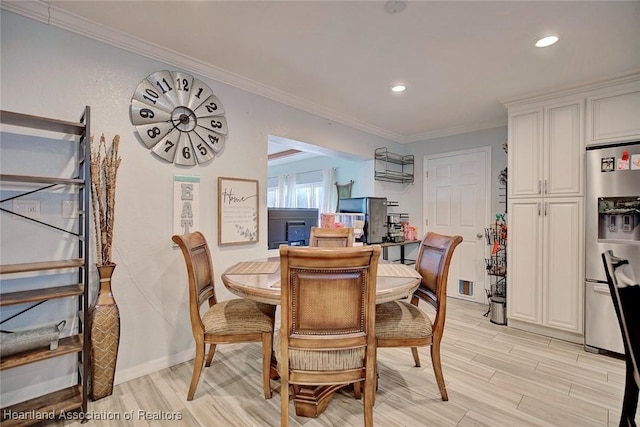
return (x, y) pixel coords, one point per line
(392, 167)
(72, 398)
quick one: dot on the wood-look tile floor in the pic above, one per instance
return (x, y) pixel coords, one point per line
(495, 376)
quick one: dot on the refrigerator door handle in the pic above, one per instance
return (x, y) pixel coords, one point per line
(546, 187)
(601, 288)
(539, 187)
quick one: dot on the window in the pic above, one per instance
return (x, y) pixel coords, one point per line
(309, 190)
(309, 195)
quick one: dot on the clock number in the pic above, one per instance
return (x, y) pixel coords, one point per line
(211, 107)
(185, 84)
(168, 89)
(199, 93)
(213, 139)
(202, 149)
(153, 96)
(169, 145)
(216, 124)
(146, 113)
(153, 132)
(186, 153)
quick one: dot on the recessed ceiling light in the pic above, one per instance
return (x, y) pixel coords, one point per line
(547, 41)
(399, 88)
(392, 7)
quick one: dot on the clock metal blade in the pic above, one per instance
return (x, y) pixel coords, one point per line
(183, 85)
(167, 147)
(152, 96)
(152, 133)
(142, 114)
(184, 153)
(162, 82)
(211, 107)
(217, 124)
(203, 152)
(214, 140)
(200, 92)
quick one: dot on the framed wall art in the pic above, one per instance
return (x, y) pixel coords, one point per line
(237, 211)
(186, 204)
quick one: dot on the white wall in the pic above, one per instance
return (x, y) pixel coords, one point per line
(50, 72)
(411, 197)
(493, 138)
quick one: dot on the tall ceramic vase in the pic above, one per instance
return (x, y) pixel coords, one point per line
(105, 336)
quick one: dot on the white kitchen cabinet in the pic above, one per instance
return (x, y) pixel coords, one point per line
(546, 266)
(524, 295)
(545, 153)
(614, 115)
(547, 136)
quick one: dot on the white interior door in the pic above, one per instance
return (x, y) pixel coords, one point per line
(457, 200)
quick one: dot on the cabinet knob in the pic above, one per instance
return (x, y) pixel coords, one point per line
(479, 235)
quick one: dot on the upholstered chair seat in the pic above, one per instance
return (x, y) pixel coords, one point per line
(335, 360)
(238, 317)
(398, 319)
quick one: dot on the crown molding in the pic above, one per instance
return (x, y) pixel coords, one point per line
(581, 88)
(456, 130)
(52, 15)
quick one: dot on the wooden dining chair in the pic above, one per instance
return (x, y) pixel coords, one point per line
(230, 321)
(400, 324)
(625, 293)
(327, 335)
(331, 237)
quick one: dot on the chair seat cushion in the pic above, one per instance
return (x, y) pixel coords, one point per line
(239, 316)
(399, 319)
(330, 360)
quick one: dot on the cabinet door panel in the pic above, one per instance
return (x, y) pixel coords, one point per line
(614, 117)
(525, 153)
(563, 264)
(563, 150)
(524, 295)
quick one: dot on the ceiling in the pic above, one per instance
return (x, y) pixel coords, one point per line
(339, 59)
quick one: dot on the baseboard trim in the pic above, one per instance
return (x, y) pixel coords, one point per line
(124, 375)
(546, 331)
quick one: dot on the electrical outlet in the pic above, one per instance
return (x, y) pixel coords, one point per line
(30, 208)
(69, 209)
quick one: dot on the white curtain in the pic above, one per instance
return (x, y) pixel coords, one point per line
(287, 191)
(327, 204)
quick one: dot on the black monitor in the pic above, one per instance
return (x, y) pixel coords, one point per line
(290, 226)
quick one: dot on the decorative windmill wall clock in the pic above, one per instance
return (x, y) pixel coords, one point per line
(179, 118)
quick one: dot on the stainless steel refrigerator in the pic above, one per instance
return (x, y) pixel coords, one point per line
(612, 221)
(375, 220)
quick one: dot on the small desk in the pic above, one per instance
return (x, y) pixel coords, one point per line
(385, 249)
(260, 281)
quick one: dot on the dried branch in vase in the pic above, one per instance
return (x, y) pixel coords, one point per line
(104, 169)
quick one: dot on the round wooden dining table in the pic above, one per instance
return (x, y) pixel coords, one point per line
(260, 281)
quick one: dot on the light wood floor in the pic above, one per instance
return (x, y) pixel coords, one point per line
(495, 375)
